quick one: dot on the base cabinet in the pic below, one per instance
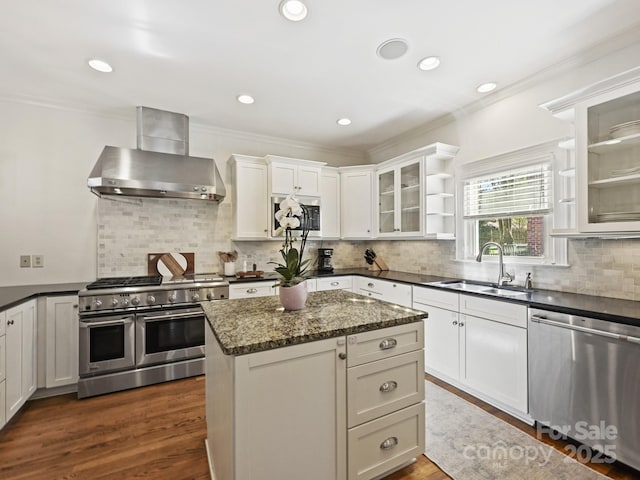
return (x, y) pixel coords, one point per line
(3, 368)
(20, 339)
(61, 341)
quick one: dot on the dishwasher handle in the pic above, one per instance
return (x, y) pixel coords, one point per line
(593, 331)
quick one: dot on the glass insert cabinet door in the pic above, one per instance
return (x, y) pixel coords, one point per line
(386, 201)
(410, 198)
(613, 163)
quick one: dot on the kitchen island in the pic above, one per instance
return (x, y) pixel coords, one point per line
(290, 393)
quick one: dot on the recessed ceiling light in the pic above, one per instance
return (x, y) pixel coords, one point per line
(246, 99)
(293, 10)
(343, 121)
(392, 49)
(100, 65)
(486, 87)
(429, 63)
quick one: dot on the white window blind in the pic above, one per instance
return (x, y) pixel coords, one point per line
(522, 191)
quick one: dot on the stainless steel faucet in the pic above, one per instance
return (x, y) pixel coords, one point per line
(503, 277)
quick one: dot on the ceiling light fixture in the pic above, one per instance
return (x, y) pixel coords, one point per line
(245, 99)
(100, 65)
(486, 87)
(343, 121)
(429, 63)
(293, 10)
(392, 49)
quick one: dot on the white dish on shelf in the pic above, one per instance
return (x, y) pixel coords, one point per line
(625, 129)
(620, 172)
(618, 216)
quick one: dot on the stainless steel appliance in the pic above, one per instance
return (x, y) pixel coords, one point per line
(324, 259)
(584, 381)
(138, 331)
(312, 205)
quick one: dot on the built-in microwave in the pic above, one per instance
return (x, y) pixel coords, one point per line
(312, 205)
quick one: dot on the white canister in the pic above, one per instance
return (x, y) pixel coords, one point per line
(229, 269)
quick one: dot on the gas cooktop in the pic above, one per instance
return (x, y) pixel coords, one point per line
(118, 282)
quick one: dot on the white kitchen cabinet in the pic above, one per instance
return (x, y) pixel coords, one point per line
(606, 118)
(444, 352)
(356, 196)
(330, 203)
(293, 176)
(388, 291)
(343, 282)
(61, 331)
(3, 368)
(21, 364)
(263, 288)
(251, 205)
(400, 194)
(311, 285)
(439, 188)
(268, 417)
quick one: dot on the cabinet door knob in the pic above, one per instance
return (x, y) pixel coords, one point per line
(342, 356)
(10, 322)
(389, 386)
(455, 322)
(388, 343)
(389, 443)
(461, 324)
(370, 285)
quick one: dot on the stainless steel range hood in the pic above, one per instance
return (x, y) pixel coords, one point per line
(161, 166)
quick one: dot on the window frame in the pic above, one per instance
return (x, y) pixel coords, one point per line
(555, 248)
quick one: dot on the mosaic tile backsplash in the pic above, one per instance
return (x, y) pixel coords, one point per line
(130, 228)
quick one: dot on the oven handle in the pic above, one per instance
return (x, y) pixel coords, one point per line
(156, 318)
(106, 323)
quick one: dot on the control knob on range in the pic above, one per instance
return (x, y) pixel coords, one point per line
(195, 296)
(151, 299)
(172, 297)
(114, 302)
(135, 301)
(210, 296)
(97, 303)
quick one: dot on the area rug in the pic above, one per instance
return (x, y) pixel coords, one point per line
(471, 444)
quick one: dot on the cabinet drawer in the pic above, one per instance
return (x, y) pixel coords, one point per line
(383, 343)
(392, 292)
(251, 289)
(334, 283)
(434, 297)
(383, 444)
(505, 312)
(378, 388)
(311, 285)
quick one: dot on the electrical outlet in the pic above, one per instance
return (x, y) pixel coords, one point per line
(37, 261)
(25, 261)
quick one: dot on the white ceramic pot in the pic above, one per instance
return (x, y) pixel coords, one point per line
(293, 298)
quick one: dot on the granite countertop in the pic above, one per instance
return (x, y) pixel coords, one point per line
(255, 324)
(10, 296)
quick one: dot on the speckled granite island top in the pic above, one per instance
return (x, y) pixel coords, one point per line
(251, 325)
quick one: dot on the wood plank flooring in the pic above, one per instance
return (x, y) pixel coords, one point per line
(155, 432)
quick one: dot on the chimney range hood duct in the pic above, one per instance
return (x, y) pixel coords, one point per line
(161, 166)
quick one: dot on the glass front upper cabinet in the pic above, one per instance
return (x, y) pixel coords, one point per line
(399, 197)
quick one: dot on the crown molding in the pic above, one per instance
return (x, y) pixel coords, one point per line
(585, 56)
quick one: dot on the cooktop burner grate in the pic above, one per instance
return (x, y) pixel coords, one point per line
(117, 282)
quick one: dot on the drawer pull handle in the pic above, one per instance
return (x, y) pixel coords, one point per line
(388, 343)
(389, 443)
(388, 386)
(370, 285)
(342, 356)
(252, 290)
(335, 284)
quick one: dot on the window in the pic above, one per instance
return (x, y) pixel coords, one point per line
(508, 200)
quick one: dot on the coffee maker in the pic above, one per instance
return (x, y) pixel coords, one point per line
(324, 259)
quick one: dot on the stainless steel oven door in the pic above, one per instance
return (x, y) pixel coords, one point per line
(169, 335)
(106, 344)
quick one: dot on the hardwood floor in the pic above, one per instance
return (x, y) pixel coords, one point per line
(155, 432)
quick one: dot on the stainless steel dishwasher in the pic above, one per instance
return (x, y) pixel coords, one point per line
(584, 380)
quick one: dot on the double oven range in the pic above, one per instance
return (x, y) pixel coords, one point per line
(137, 331)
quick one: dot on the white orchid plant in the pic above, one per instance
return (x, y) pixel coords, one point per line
(291, 215)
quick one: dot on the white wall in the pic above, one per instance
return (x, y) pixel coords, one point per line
(46, 154)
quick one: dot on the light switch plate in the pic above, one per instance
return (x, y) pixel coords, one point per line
(25, 261)
(37, 261)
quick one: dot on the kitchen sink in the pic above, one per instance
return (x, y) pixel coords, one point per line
(481, 287)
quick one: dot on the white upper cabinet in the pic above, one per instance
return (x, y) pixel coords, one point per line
(330, 203)
(400, 200)
(250, 198)
(356, 214)
(607, 154)
(292, 176)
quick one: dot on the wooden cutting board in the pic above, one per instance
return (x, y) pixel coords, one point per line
(170, 264)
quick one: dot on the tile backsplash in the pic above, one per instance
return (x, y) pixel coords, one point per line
(129, 229)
